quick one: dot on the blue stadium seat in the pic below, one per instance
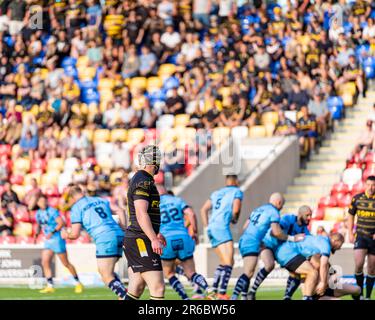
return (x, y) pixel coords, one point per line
(171, 82)
(336, 107)
(369, 72)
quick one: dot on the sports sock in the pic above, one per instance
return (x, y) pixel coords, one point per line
(360, 278)
(76, 279)
(291, 287)
(156, 298)
(129, 296)
(262, 274)
(245, 290)
(217, 277)
(196, 288)
(50, 282)
(308, 298)
(178, 287)
(241, 284)
(200, 281)
(180, 270)
(118, 288)
(369, 285)
(226, 273)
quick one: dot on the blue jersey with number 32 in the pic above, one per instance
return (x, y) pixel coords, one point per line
(95, 215)
(172, 215)
(261, 219)
(222, 204)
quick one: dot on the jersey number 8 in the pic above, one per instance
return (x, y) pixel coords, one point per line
(100, 211)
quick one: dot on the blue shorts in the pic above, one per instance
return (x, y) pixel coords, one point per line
(219, 236)
(56, 244)
(109, 246)
(308, 134)
(179, 246)
(249, 246)
(286, 253)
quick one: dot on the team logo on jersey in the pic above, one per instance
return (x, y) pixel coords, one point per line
(141, 193)
(155, 203)
(142, 247)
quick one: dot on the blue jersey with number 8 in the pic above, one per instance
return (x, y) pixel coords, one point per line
(172, 215)
(261, 219)
(222, 205)
(95, 216)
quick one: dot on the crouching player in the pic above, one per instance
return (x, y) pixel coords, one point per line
(95, 216)
(295, 258)
(255, 229)
(291, 225)
(50, 221)
(180, 245)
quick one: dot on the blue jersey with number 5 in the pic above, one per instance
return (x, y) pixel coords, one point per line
(261, 219)
(172, 215)
(95, 216)
(222, 204)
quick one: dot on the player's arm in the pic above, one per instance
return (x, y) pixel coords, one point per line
(236, 209)
(352, 212)
(323, 275)
(246, 224)
(122, 219)
(37, 232)
(73, 233)
(204, 212)
(278, 233)
(192, 219)
(141, 207)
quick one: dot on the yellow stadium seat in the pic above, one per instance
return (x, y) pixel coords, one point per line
(348, 87)
(21, 165)
(258, 132)
(168, 134)
(23, 229)
(105, 162)
(89, 133)
(19, 108)
(118, 134)
(30, 176)
(55, 164)
(225, 91)
(167, 69)
(35, 110)
(135, 135)
(114, 177)
(101, 135)
(105, 95)
(19, 190)
(181, 120)
(220, 134)
(334, 214)
(348, 99)
(269, 117)
(43, 73)
(270, 129)
(138, 83)
(86, 73)
(106, 84)
(154, 84)
(50, 178)
(82, 61)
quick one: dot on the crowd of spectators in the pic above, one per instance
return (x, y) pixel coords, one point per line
(99, 78)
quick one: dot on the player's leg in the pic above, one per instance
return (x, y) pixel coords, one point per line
(225, 252)
(155, 283)
(359, 261)
(106, 268)
(269, 263)
(347, 289)
(292, 285)
(136, 285)
(194, 277)
(66, 263)
(370, 278)
(243, 282)
(307, 269)
(169, 271)
(47, 256)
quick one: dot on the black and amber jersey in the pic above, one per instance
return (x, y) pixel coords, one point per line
(312, 55)
(306, 124)
(364, 207)
(359, 7)
(142, 186)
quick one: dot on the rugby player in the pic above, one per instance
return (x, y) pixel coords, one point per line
(363, 206)
(295, 256)
(225, 205)
(180, 245)
(94, 215)
(291, 225)
(260, 220)
(49, 220)
(143, 243)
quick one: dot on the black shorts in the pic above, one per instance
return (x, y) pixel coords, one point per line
(294, 264)
(365, 243)
(139, 253)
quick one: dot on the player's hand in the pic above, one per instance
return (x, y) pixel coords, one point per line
(64, 233)
(48, 236)
(195, 238)
(161, 238)
(299, 237)
(321, 288)
(157, 246)
(352, 237)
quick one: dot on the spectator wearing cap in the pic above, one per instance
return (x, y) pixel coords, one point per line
(319, 108)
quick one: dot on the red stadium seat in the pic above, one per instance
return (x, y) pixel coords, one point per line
(51, 191)
(38, 166)
(22, 215)
(32, 215)
(318, 214)
(339, 187)
(5, 149)
(344, 200)
(358, 188)
(151, 135)
(1, 190)
(328, 201)
(41, 238)
(25, 240)
(16, 179)
(53, 201)
(7, 240)
(367, 173)
(354, 165)
(370, 157)
(370, 166)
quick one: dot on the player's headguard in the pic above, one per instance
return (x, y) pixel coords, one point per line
(150, 155)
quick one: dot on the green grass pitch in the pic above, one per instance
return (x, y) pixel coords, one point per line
(67, 293)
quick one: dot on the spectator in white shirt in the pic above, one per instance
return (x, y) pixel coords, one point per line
(171, 39)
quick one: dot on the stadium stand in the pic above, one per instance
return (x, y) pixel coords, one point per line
(82, 94)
